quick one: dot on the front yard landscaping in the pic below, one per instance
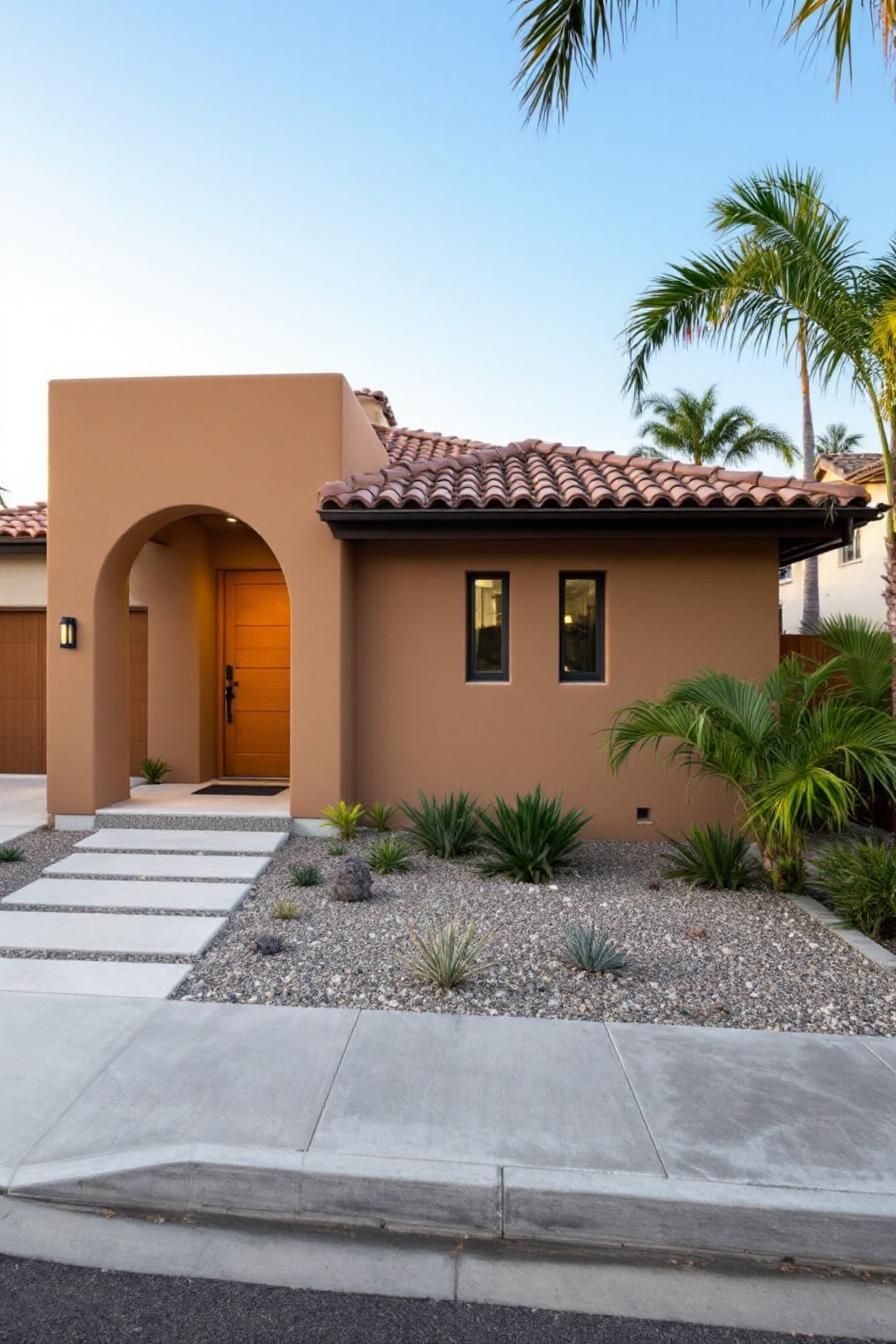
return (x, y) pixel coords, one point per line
(748, 958)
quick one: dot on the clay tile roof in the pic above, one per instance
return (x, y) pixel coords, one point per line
(864, 468)
(24, 522)
(376, 394)
(432, 471)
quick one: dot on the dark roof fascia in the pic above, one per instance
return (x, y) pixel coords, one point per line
(29, 545)
(802, 531)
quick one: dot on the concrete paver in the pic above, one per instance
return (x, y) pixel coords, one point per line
(50, 1047)
(773, 1108)
(478, 1089)
(136, 840)
(65, 975)
(121, 894)
(147, 935)
(250, 1078)
(207, 867)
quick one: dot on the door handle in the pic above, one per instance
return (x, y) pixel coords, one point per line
(229, 692)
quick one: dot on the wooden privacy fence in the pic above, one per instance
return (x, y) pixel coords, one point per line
(809, 647)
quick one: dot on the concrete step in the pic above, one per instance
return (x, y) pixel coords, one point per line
(121, 894)
(64, 975)
(152, 839)
(145, 935)
(205, 867)
(125, 817)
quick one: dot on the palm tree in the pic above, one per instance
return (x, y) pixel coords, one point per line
(837, 439)
(559, 38)
(686, 426)
(797, 755)
(777, 235)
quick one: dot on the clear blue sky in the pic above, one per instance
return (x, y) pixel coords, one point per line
(272, 186)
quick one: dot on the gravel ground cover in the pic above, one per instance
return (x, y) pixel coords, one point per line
(731, 959)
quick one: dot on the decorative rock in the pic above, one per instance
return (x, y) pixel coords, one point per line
(697, 931)
(352, 881)
(268, 944)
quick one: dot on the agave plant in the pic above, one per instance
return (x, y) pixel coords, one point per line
(796, 758)
(391, 855)
(447, 955)
(531, 838)
(154, 769)
(589, 950)
(344, 817)
(11, 854)
(713, 856)
(444, 827)
(304, 875)
(382, 815)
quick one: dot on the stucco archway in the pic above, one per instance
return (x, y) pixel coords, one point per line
(128, 457)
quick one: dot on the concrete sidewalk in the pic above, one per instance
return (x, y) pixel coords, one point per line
(504, 1130)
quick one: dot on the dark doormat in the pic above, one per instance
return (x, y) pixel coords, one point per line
(244, 790)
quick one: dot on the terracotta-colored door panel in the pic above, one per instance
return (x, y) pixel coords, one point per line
(255, 623)
(23, 691)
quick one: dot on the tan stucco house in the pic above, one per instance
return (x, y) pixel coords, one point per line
(266, 578)
(850, 578)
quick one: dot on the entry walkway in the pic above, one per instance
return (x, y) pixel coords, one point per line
(503, 1130)
(128, 893)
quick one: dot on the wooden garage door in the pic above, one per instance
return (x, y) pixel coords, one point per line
(23, 691)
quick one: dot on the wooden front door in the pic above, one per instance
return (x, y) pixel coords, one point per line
(255, 625)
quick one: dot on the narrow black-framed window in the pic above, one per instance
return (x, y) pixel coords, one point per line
(581, 626)
(488, 627)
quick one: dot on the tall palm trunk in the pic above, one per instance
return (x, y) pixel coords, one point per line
(889, 575)
(811, 608)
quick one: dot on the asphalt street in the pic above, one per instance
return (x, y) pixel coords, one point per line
(43, 1303)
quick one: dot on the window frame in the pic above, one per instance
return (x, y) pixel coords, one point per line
(854, 544)
(599, 676)
(473, 675)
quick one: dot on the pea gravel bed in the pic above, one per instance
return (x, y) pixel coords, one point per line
(730, 959)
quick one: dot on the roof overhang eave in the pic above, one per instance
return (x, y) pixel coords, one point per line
(801, 531)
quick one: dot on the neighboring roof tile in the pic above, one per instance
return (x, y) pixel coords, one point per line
(432, 471)
(865, 468)
(375, 394)
(24, 522)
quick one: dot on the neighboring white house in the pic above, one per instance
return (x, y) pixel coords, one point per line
(850, 580)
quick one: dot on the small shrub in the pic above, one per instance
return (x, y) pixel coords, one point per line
(588, 950)
(531, 838)
(382, 815)
(392, 855)
(304, 875)
(344, 818)
(11, 854)
(858, 881)
(713, 856)
(154, 769)
(285, 909)
(447, 955)
(336, 848)
(444, 827)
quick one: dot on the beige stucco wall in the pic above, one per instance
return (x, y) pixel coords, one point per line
(854, 587)
(671, 608)
(133, 456)
(23, 579)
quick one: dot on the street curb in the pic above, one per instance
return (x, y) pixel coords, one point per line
(859, 942)
(582, 1210)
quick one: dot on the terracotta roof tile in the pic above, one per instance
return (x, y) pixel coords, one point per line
(24, 522)
(376, 394)
(864, 468)
(434, 471)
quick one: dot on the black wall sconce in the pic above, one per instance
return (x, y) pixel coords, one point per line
(68, 632)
